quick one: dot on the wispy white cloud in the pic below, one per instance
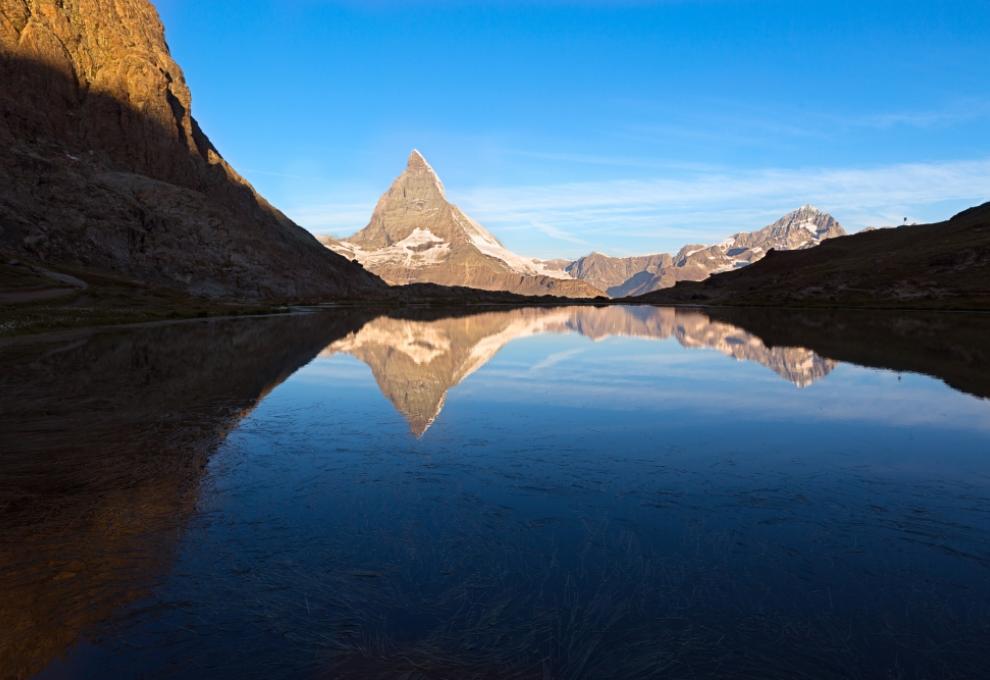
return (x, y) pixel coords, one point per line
(957, 112)
(726, 122)
(709, 205)
(605, 160)
(557, 233)
(555, 359)
(688, 205)
(338, 219)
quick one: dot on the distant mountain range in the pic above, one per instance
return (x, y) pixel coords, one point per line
(627, 276)
(416, 236)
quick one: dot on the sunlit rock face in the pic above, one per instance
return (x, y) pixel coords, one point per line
(416, 362)
(417, 236)
(628, 276)
(103, 166)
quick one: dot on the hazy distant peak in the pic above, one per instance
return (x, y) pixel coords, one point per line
(805, 227)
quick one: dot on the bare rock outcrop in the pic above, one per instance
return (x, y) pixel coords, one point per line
(103, 166)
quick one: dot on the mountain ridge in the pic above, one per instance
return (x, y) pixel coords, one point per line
(943, 265)
(620, 277)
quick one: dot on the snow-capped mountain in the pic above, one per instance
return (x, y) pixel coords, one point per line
(805, 227)
(416, 236)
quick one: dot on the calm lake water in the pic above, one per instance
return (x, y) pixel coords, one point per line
(617, 492)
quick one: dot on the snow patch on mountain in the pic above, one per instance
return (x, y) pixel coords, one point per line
(488, 245)
(421, 248)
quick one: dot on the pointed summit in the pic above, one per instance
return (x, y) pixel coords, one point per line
(418, 166)
(805, 227)
(417, 235)
(417, 160)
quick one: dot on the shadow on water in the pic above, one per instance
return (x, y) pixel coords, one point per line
(103, 443)
(104, 438)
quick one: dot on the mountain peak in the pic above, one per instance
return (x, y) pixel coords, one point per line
(417, 235)
(418, 167)
(417, 160)
(807, 226)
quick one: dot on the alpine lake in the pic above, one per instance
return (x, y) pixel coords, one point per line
(545, 492)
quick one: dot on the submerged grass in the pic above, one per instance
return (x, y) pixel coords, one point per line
(462, 588)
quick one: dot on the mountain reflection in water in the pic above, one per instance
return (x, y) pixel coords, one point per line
(162, 503)
(415, 362)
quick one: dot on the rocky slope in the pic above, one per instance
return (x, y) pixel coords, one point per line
(416, 236)
(102, 165)
(944, 265)
(627, 276)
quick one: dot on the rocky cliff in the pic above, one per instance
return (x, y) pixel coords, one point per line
(417, 236)
(102, 165)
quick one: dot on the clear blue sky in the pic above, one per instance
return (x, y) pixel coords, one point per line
(622, 126)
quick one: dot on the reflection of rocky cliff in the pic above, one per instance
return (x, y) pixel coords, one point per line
(416, 362)
(103, 440)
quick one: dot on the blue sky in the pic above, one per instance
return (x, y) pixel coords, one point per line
(624, 127)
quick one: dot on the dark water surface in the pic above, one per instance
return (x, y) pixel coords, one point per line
(620, 492)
